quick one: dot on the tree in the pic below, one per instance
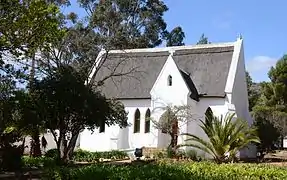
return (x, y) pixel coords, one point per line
(171, 119)
(272, 105)
(225, 137)
(34, 22)
(127, 23)
(253, 90)
(203, 40)
(267, 131)
(175, 37)
(66, 104)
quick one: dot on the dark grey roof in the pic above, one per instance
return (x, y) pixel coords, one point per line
(186, 77)
(207, 69)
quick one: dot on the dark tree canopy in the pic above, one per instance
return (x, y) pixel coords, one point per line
(253, 90)
(127, 23)
(272, 106)
(66, 104)
(175, 37)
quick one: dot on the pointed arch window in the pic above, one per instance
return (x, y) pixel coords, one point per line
(137, 121)
(102, 127)
(208, 115)
(169, 80)
(147, 121)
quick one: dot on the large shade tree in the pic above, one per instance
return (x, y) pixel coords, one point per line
(26, 27)
(66, 104)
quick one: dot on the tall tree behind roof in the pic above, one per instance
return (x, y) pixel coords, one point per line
(203, 40)
(175, 37)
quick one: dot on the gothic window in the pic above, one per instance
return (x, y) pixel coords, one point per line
(147, 121)
(137, 121)
(169, 80)
(102, 127)
(208, 115)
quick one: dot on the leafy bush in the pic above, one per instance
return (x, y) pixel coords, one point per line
(192, 154)
(87, 156)
(38, 162)
(52, 153)
(11, 158)
(180, 171)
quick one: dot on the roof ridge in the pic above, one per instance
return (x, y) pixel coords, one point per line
(174, 48)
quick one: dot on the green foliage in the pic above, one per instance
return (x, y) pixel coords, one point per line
(86, 156)
(203, 40)
(175, 37)
(225, 136)
(127, 24)
(52, 153)
(175, 171)
(170, 152)
(11, 158)
(38, 162)
(253, 90)
(272, 107)
(50, 158)
(64, 102)
(268, 131)
(35, 23)
(192, 154)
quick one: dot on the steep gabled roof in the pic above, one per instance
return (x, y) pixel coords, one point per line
(189, 83)
(204, 67)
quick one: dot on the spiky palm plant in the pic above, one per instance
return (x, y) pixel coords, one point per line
(225, 137)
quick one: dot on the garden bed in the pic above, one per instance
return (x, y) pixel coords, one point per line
(171, 170)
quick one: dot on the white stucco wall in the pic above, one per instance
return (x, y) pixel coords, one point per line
(236, 89)
(164, 95)
(116, 138)
(218, 106)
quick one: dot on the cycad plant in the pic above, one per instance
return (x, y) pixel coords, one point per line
(226, 137)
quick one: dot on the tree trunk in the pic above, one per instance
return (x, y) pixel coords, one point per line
(36, 150)
(23, 146)
(72, 145)
(62, 146)
(68, 149)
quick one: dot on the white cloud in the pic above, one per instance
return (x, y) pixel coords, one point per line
(259, 66)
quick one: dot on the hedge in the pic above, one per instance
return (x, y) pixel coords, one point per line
(38, 162)
(172, 171)
(86, 156)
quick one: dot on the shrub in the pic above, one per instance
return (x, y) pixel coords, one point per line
(175, 171)
(192, 154)
(11, 158)
(82, 155)
(38, 162)
(52, 153)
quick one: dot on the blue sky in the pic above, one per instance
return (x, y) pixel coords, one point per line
(261, 23)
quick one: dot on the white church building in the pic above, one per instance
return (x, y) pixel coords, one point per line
(200, 76)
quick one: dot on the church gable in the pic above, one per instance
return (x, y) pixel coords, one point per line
(170, 83)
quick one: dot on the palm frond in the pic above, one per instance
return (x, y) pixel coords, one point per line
(226, 135)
